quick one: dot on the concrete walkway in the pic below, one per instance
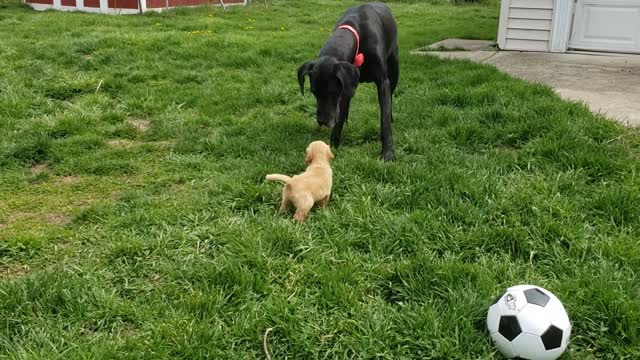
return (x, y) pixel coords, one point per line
(607, 83)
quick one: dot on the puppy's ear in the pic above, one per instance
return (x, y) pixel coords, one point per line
(349, 76)
(302, 72)
(308, 158)
(331, 156)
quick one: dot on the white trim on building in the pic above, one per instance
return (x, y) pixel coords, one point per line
(105, 9)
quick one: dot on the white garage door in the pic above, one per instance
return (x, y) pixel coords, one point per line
(606, 25)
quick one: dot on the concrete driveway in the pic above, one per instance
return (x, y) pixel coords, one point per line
(607, 83)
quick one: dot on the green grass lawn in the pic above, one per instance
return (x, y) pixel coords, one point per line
(135, 222)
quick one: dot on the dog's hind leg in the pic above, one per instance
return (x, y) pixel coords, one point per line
(394, 70)
(343, 116)
(286, 200)
(394, 76)
(303, 206)
(384, 98)
(285, 206)
(324, 201)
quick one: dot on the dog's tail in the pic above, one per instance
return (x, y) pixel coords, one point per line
(278, 177)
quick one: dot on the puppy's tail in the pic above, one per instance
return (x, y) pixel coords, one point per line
(278, 177)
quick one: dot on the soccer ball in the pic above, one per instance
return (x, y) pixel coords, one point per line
(529, 322)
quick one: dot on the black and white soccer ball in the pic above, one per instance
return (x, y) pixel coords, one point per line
(529, 322)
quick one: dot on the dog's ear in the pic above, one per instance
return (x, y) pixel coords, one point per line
(308, 158)
(331, 156)
(302, 72)
(349, 76)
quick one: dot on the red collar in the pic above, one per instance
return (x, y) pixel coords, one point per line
(359, 58)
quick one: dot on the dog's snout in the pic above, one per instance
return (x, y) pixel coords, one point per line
(326, 120)
(326, 123)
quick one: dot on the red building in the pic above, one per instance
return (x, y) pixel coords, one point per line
(124, 6)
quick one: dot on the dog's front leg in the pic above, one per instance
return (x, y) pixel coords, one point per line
(343, 115)
(384, 99)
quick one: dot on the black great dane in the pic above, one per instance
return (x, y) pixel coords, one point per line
(363, 48)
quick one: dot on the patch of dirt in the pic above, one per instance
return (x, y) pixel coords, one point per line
(127, 144)
(165, 143)
(57, 219)
(121, 144)
(140, 124)
(19, 216)
(49, 218)
(13, 271)
(37, 169)
(68, 180)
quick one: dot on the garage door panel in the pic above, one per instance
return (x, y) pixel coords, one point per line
(611, 23)
(608, 25)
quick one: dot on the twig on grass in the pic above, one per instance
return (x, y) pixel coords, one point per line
(265, 345)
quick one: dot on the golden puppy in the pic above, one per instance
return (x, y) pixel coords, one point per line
(314, 185)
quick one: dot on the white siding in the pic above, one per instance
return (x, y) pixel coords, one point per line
(530, 24)
(525, 25)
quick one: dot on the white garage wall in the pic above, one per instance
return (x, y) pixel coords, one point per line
(525, 25)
